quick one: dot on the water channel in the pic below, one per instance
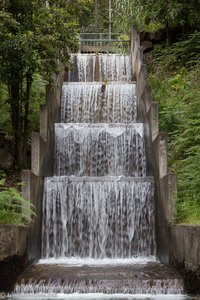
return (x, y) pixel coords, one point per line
(98, 227)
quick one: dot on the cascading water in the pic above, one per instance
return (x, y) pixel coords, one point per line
(98, 103)
(98, 217)
(102, 67)
(99, 206)
(99, 150)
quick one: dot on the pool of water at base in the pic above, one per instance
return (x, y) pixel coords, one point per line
(99, 297)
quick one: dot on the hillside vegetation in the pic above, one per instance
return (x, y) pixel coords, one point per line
(175, 79)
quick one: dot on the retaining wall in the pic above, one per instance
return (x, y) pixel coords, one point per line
(13, 254)
(13, 241)
(165, 183)
(185, 254)
(41, 161)
(178, 245)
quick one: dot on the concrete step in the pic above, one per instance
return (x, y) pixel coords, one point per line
(137, 278)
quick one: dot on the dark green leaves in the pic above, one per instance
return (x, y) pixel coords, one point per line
(14, 209)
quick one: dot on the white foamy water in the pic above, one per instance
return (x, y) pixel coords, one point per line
(77, 261)
(99, 296)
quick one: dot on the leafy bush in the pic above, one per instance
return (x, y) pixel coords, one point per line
(14, 209)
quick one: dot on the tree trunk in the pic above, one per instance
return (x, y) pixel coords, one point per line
(14, 101)
(19, 97)
(26, 114)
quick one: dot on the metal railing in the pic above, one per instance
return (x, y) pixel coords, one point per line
(104, 42)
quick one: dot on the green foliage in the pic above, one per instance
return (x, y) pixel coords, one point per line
(37, 98)
(14, 209)
(184, 53)
(177, 90)
(5, 120)
(34, 37)
(98, 18)
(151, 15)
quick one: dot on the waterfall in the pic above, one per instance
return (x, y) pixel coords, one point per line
(99, 150)
(98, 103)
(102, 67)
(98, 217)
(99, 205)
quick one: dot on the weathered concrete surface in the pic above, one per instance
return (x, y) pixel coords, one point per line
(137, 278)
(13, 241)
(13, 248)
(155, 142)
(42, 160)
(185, 254)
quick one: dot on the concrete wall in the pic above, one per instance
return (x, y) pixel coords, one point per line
(185, 246)
(155, 148)
(41, 161)
(185, 254)
(178, 245)
(13, 254)
(13, 241)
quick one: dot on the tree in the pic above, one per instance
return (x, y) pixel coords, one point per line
(156, 13)
(34, 36)
(99, 17)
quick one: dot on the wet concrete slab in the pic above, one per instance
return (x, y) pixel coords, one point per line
(138, 278)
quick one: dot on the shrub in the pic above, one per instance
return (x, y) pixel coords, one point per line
(14, 209)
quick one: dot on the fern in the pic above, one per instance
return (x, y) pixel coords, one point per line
(14, 209)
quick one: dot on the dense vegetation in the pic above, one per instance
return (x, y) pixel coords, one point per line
(98, 17)
(176, 87)
(151, 14)
(34, 36)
